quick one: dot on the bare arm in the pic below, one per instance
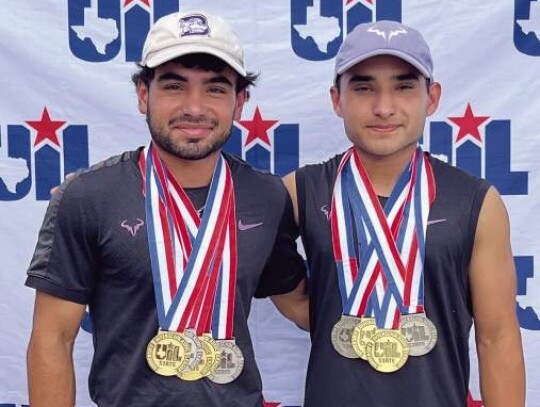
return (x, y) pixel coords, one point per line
(493, 285)
(294, 305)
(51, 380)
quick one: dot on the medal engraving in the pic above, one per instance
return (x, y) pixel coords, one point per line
(194, 353)
(420, 333)
(166, 353)
(342, 336)
(207, 363)
(231, 362)
(362, 335)
(388, 351)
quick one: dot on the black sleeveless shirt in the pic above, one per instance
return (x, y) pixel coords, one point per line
(438, 379)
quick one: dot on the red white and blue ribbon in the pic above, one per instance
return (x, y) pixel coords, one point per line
(186, 251)
(391, 242)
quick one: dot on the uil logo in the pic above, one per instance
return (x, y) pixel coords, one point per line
(97, 27)
(481, 145)
(43, 150)
(265, 144)
(319, 26)
(527, 26)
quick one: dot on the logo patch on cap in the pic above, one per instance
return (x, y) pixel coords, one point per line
(384, 34)
(194, 24)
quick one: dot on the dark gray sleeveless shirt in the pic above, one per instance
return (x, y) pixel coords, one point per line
(440, 378)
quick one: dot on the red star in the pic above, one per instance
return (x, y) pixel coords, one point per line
(128, 2)
(468, 124)
(46, 128)
(271, 403)
(257, 128)
(472, 402)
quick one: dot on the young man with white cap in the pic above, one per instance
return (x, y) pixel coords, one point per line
(166, 244)
(412, 251)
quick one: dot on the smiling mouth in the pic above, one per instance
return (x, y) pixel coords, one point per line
(383, 128)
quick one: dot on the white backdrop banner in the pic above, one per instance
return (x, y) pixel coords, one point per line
(67, 102)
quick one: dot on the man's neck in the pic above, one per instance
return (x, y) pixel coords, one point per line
(190, 173)
(384, 172)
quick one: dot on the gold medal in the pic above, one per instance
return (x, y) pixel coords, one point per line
(231, 362)
(342, 334)
(361, 336)
(420, 332)
(387, 351)
(166, 353)
(208, 361)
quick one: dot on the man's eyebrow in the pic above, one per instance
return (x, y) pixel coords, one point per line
(410, 76)
(171, 76)
(219, 79)
(361, 78)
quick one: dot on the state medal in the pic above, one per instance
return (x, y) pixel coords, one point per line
(207, 363)
(420, 333)
(341, 336)
(167, 352)
(231, 362)
(387, 351)
(362, 334)
(194, 353)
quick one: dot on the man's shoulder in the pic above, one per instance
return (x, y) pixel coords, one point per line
(452, 174)
(102, 176)
(328, 167)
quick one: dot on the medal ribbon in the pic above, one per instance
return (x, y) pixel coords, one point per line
(182, 246)
(389, 271)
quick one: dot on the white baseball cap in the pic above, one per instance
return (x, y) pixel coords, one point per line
(192, 32)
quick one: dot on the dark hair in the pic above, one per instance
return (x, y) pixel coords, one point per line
(202, 61)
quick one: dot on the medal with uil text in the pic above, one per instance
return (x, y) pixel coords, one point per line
(183, 251)
(231, 362)
(420, 332)
(362, 334)
(342, 334)
(387, 351)
(167, 352)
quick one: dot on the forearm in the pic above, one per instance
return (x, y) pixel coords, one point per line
(502, 371)
(51, 380)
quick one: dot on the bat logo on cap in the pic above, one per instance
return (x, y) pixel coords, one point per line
(383, 34)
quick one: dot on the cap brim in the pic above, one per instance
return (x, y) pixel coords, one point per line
(399, 54)
(168, 54)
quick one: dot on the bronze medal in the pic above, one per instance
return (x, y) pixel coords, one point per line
(207, 362)
(342, 335)
(361, 336)
(420, 332)
(231, 362)
(167, 352)
(387, 351)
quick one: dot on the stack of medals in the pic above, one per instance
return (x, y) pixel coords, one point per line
(194, 273)
(382, 293)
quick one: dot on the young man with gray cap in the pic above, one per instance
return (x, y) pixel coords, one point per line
(167, 244)
(412, 251)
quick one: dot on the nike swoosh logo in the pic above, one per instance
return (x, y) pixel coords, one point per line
(434, 221)
(247, 226)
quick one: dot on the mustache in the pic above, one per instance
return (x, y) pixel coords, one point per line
(193, 120)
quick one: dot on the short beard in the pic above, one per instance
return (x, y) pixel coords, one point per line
(191, 150)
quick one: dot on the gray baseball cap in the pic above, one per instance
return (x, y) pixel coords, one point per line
(384, 38)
